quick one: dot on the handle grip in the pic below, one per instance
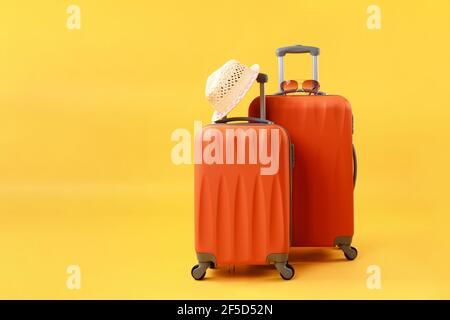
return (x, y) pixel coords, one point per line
(262, 78)
(248, 119)
(281, 52)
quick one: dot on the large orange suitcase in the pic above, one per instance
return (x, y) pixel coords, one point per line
(321, 128)
(242, 208)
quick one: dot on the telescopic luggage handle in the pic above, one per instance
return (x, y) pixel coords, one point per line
(262, 79)
(281, 52)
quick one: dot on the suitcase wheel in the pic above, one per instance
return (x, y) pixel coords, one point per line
(350, 252)
(286, 271)
(198, 271)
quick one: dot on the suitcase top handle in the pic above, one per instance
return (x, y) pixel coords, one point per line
(241, 119)
(281, 52)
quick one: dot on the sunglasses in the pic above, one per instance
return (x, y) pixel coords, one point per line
(310, 86)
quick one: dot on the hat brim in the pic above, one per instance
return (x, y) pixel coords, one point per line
(219, 115)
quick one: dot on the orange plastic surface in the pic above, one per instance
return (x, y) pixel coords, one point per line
(242, 216)
(320, 127)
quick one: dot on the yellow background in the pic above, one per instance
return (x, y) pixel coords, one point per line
(86, 117)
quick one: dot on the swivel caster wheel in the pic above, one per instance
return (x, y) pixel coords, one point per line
(198, 271)
(286, 270)
(350, 253)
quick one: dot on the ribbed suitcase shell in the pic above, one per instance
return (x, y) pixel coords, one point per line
(241, 216)
(320, 127)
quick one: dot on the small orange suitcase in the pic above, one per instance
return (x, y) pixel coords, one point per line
(242, 211)
(321, 128)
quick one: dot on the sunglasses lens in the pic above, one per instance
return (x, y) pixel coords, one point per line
(311, 86)
(289, 85)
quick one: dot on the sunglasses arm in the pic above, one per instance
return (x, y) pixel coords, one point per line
(282, 93)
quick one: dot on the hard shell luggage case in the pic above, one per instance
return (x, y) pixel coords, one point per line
(243, 212)
(321, 128)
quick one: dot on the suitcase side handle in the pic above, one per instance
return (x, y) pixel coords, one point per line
(355, 166)
(281, 52)
(248, 119)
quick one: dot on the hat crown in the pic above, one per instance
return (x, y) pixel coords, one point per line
(226, 86)
(224, 79)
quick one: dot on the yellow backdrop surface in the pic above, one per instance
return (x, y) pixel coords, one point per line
(86, 117)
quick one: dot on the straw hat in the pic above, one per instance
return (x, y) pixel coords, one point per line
(228, 85)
